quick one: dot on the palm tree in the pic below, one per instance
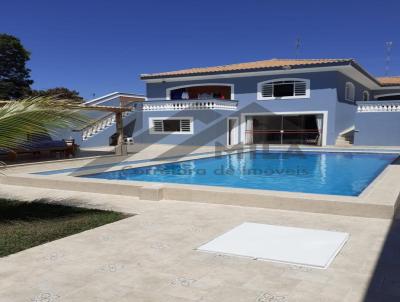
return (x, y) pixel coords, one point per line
(38, 115)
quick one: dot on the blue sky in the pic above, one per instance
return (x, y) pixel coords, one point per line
(102, 46)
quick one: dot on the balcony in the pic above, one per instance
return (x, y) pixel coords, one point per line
(378, 106)
(179, 105)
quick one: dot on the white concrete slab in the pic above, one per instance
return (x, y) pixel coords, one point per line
(307, 247)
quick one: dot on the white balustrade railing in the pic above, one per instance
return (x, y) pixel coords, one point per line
(378, 106)
(168, 105)
(178, 105)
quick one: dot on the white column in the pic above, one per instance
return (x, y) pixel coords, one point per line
(249, 129)
(319, 119)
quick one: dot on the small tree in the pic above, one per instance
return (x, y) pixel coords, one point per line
(60, 93)
(14, 75)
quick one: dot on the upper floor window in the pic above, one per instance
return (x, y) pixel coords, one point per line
(365, 96)
(283, 89)
(388, 97)
(201, 92)
(350, 92)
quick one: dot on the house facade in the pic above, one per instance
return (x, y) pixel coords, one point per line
(316, 102)
(321, 102)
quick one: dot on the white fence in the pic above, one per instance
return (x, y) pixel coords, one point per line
(378, 106)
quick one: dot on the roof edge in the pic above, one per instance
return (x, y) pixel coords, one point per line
(340, 62)
(113, 95)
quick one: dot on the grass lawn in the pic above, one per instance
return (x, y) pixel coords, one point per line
(24, 225)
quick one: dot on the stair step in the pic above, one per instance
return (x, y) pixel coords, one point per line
(101, 126)
(342, 141)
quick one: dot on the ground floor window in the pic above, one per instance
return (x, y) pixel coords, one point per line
(171, 125)
(284, 129)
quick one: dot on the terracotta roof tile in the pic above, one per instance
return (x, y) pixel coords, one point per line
(250, 66)
(389, 81)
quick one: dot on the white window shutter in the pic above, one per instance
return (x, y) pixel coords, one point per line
(185, 126)
(158, 126)
(349, 93)
(267, 90)
(300, 88)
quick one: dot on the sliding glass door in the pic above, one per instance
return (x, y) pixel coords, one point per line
(267, 129)
(285, 129)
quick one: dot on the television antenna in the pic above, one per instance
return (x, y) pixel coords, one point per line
(298, 47)
(388, 56)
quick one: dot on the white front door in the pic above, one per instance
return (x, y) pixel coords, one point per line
(233, 131)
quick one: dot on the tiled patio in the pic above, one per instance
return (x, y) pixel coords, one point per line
(151, 257)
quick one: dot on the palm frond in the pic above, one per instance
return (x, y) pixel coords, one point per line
(39, 115)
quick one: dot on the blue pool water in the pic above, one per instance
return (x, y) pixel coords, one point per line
(323, 173)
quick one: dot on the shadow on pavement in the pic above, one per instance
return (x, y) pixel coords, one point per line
(385, 282)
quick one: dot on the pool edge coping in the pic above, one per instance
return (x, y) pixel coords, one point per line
(380, 201)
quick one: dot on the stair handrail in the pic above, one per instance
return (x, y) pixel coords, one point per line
(90, 125)
(105, 117)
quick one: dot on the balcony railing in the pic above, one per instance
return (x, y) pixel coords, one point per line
(177, 105)
(378, 106)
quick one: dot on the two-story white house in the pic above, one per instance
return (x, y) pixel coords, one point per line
(279, 101)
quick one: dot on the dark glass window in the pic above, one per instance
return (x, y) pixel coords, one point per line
(394, 97)
(283, 89)
(172, 125)
(201, 93)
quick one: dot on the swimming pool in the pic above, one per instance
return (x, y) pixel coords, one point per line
(307, 172)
